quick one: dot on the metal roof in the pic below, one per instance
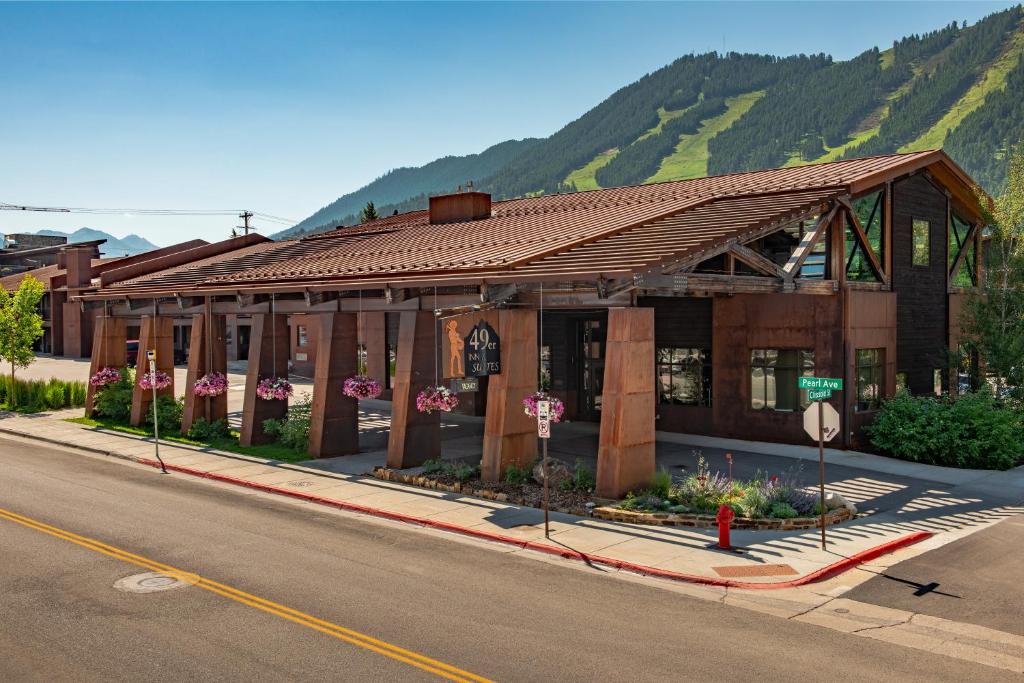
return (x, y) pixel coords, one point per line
(606, 232)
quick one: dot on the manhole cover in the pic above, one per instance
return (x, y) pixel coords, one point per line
(150, 582)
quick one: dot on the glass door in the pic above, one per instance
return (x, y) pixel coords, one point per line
(592, 337)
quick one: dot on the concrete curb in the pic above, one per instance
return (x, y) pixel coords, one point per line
(818, 575)
(833, 569)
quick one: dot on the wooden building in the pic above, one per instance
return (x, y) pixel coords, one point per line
(689, 306)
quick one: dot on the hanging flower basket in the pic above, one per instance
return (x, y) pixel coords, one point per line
(557, 408)
(274, 389)
(158, 380)
(436, 398)
(211, 384)
(362, 387)
(104, 377)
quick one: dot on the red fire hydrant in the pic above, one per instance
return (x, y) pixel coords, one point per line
(724, 518)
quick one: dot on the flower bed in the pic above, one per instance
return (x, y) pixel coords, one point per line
(530, 494)
(617, 514)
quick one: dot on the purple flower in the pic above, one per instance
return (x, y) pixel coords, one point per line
(158, 380)
(436, 398)
(274, 389)
(556, 407)
(211, 384)
(104, 377)
(362, 387)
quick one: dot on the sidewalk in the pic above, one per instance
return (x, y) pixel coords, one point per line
(931, 515)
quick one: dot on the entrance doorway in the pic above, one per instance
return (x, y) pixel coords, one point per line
(591, 335)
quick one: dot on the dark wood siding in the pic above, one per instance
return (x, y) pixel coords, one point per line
(920, 290)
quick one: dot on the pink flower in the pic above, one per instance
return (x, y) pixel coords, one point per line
(436, 398)
(158, 380)
(362, 387)
(556, 407)
(211, 384)
(274, 389)
(104, 377)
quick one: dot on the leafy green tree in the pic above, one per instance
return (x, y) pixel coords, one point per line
(994, 316)
(20, 326)
(369, 213)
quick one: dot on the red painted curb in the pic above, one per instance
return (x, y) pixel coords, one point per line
(842, 565)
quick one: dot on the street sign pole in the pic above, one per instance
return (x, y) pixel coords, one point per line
(544, 432)
(151, 355)
(821, 466)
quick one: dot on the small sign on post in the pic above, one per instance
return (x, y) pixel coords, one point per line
(544, 432)
(824, 426)
(151, 357)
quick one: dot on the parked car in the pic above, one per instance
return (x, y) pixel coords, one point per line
(133, 352)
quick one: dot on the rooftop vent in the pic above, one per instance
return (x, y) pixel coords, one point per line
(461, 206)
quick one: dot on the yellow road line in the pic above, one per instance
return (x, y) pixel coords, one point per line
(340, 632)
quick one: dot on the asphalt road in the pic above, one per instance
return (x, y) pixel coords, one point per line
(978, 580)
(474, 609)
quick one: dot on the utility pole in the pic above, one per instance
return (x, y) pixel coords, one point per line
(245, 216)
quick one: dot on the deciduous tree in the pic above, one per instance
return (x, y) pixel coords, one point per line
(994, 316)
(20, 326)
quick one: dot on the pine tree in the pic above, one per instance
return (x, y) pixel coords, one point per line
(369, 213)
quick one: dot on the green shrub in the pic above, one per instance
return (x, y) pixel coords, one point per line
(464, 472)
(783, 511)
(974, 430)
(168, 410)
(203, 430)
(582, 478)
(433, 466)
(293, 431)
(114, 401)
(661, 483)
(517, 476)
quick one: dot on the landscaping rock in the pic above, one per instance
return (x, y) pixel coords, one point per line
(836, 501)
(557, 471)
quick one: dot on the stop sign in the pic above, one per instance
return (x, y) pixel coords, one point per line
(830, 421)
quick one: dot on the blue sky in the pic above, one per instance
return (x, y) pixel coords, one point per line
(281, 108)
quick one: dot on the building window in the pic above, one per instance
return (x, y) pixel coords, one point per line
(773, 378)
(937, 381)
(301, 337)
(870, 377)
(361, 366)
(921, 230)
(545, 368)
(684, 376)
(901, 382)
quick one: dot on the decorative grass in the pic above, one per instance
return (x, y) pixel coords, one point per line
(272, 451)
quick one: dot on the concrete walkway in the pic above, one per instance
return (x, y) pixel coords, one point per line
(771, 557)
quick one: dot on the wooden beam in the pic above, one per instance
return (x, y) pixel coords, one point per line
(807, 244)
(730, 284)
(756, 260)
(862, 238)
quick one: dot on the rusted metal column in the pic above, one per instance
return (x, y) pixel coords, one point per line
(415, 437)
(334, 419)
(510, 436)
(625, 456)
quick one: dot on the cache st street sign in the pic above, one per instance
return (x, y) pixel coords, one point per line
(830, 383)
(829, 421)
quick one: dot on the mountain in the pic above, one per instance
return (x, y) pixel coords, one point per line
(402, 184)
(958, 87)
(128, 245)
